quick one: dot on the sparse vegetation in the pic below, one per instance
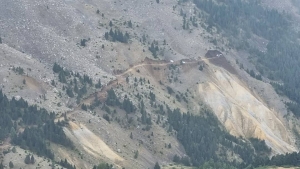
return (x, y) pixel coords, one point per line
(18, 70)
(112, 99)
(76, 83)
(128, 106)
(136, 154)
(66, 164)
(254, 75)
(145, 119)
(32, 138)
(103, 166)
(106, 117)
(129, 24)
(83, 42)
(117, 35)
(29, 159)
(154, 49)
(170, 90)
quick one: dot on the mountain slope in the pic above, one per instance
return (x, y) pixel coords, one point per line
(161, 68)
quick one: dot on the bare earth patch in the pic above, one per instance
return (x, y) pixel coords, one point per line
(92, 143)
(242, 113)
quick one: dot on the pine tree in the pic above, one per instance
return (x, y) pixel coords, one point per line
(128, 106)
(13, 132)
(136, 154)
(200, 67)
(27, 159)
(53, 83)
(84, 107)
(106, 37)
(111, 32)
(62, 77)
(156, 166)
(144, 118)
(83, 42)
(152, 96)
(158, 119)
(76, 88)
(112, 99)
(130, 24)
(11, 165)
(70, 92)
(98, 85)
(252, 74)
(32, 160)
(82, 91)
(131, 136)
(176, 159)
(14, 150)
(56, 68)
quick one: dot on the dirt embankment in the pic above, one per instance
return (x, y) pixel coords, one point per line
(223, 62)
(91, 143)
(242, 113)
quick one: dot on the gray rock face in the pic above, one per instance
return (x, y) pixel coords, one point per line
(48, 31)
